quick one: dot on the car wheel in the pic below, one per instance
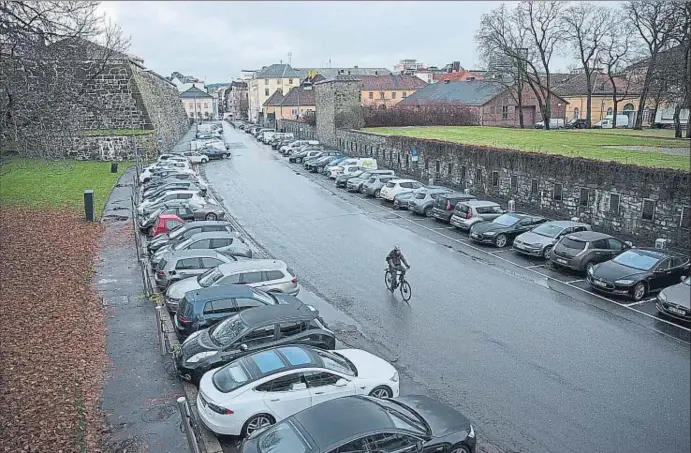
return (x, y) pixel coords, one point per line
(361, 189)
(320, 169)
(546, 252)
(225, 156)
(428, 211)
(150, 231)
(204, 160)
(257, 422)
(396, 204)
(460, 449)
(211, 216)
(377, 193)
(381, 392)
(500, 241)
(639, 291)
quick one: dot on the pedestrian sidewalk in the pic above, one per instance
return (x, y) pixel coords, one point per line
(140, 392)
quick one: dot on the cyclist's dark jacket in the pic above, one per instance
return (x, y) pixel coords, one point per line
(396, 259)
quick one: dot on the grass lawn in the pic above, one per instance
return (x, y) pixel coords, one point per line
(589, 144)
(34, 182)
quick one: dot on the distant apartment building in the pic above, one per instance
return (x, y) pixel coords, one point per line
(198, 104)
(237, 102)
(384, 91)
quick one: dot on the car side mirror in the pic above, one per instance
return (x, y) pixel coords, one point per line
(628, 244)
(243, 347)
(341, 383)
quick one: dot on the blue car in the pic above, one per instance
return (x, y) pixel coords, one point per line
(333, 163)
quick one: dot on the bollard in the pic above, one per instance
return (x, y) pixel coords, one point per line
(186, 423)
(161, 333)
(466, 191)
(113, 167)
(89, 205)
(512, 205)
(431, 181)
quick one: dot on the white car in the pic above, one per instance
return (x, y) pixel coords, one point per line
(169, 196)
(195, 157)
(263, 388)
(396, 186)
(179, 166)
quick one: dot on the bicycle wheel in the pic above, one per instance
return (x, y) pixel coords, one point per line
(405, 291)
(388, 280)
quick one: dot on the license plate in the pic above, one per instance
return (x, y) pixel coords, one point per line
(677, 311)
(560, 261)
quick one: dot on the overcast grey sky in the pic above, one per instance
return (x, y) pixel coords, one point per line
(216, 40)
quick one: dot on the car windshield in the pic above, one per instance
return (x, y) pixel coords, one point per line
(230, 377)
(403, 417)
(549, 230)
(421, 195)
(337, 363)
(506, 220)
(636, 260)
(281, 438)
(227, 331)
(263, 297)
(371, 179)
(209, 277)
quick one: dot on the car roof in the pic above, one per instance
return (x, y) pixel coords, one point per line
(168, 217)
(277, 360)
(399, 180)
(196, 253)
(215, 235)
(587, 236)
(252, 265)
(357, 416)
(273, 313)
(476, 203)
(657, 253)
(567, 223)
(203, 223)
(458, 195)
(437, 189)
(219, 292)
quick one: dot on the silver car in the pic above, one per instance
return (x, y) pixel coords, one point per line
(423, 201)
(466, 213)
(230, 243)
(540, 240)
(176, 266)
(355, 184)
(372, 187)
(265, 274)
(186, 231)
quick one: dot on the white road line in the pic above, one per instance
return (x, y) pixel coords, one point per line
(499, 251)
(440, 228)
(575, 281)
(641, 302)
(477, 249)
(535, 266)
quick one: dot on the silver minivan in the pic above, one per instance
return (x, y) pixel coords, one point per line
(423, 201)
(176, 266)
(466, 213)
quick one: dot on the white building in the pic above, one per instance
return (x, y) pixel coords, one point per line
(198, 104)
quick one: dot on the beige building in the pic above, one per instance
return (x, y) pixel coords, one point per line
(198, 104)
(384, 91)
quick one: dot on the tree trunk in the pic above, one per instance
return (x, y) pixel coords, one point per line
(548, 106)
(688, 127)
(638, 125)
(588, 101)
(615, 106)
(677, 122)
(520, 108)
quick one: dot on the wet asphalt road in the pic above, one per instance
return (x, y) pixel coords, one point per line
(534, 370)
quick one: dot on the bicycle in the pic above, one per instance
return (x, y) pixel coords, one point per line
(403, 284)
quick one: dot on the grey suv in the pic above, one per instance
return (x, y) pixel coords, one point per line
(372, 187)
(540, 240)
(226, 242)
(176, 266)
(423, 201)
(355, 184)
(581, 251)
(466, 213)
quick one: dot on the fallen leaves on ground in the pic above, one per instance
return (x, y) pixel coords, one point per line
(52, 333)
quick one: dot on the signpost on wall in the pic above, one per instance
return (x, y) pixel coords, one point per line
(414, 155)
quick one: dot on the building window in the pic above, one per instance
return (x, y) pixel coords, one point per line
(648, 212)
(609, 111)
(495, 179)
(371, 95)
(614, 203)
(426, 164)
(514, 183)
(478, 176)
(266, 91)
(407, 161)
(206, 105)
(575, 113)
(290, 81)
(584, 197)
(437, 166)
(558, 189)
(505, 112)
(404, 95)
(393, 95)
(266, 81)
(533, 187)
(295, 112)
(449, 168)
(462, 172)
(685, 221)
(382, 95)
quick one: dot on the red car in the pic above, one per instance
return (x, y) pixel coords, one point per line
(166, 223)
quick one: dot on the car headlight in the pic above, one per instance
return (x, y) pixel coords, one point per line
(662, 297)
(590, 270)
(202, 355)
(394, 378)
(490, 233)
(471, 434)
(624, 282)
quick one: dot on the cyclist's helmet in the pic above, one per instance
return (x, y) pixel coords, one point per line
(397, 248)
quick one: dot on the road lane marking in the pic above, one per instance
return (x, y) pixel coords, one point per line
(535, 266)
(641, 302)
(500, 251)
(531, 269)
(575, 281)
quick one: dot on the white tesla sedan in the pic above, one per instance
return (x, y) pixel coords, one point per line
(263, 388)
(396, 186)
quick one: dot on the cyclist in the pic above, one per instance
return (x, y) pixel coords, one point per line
(394, 260)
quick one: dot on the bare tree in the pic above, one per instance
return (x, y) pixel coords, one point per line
(616, 45)
(656, 23)
(49, 53)
(585, 26)
(681, 72)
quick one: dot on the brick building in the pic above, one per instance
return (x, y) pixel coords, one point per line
(492, 103)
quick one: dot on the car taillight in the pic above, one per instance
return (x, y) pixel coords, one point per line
(160, 274)
(219, 409)
(469, 214)
(183, 319)
(294, 280)
(448, 205)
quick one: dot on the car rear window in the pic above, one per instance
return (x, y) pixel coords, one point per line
(371, 179)
(390, 184)
(185, 308)
(161, 264)
(461, 208)
(573, 244)
(420, 195)
(229, 378)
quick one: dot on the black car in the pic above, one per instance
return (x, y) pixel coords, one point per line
(638, 272)
(249, 331)
(316, 165)
(504, 229)
(214, 153)
(187, 231)
(159, 182)
(576, 123)
(445, 204)
(357, 424)
(204, 307)
(675, 301)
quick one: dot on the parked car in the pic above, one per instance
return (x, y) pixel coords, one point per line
(214, 153)
(355, 184)
(675, 301)
(576, 123)
(150, 174)
(350, 172)
(196, 157)
(445, 204)
(230, 243)
(554, 123)
(148, 213)
(540, 240)
(265, 274)
(503, 230)
(187, 231)
(401, 200)
(467, 213)
(345, 167)
(247, 332)
(317, 166)
(373, 186)
(608, 121)
(302, 155)
(166, 156)
(188, 210)
(357, 424)
(303, 376)
(295, 145)
(581, 251)
(204, 307)
(156, 191)
(157, 181)
(170, 196)
(333, 164)
(423, 201)
(175, 266)
(638, 272)
(311, 163)
(165, 224)
(398, 185)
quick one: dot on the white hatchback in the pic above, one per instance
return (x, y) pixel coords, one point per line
(195, 157)
(263, 388)
(396, 186)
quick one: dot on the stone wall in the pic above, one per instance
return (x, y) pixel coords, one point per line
(113, 148)
(301, 131)
(337, 106)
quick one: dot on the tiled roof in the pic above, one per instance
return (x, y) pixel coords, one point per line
(274, 99)
(195, 92)
(333, 72)
(299, 96)
(277, 71)
(391, 82)
(339, 78)
(236, 84)
(457, 76)
(576, 85)
(474, 92)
